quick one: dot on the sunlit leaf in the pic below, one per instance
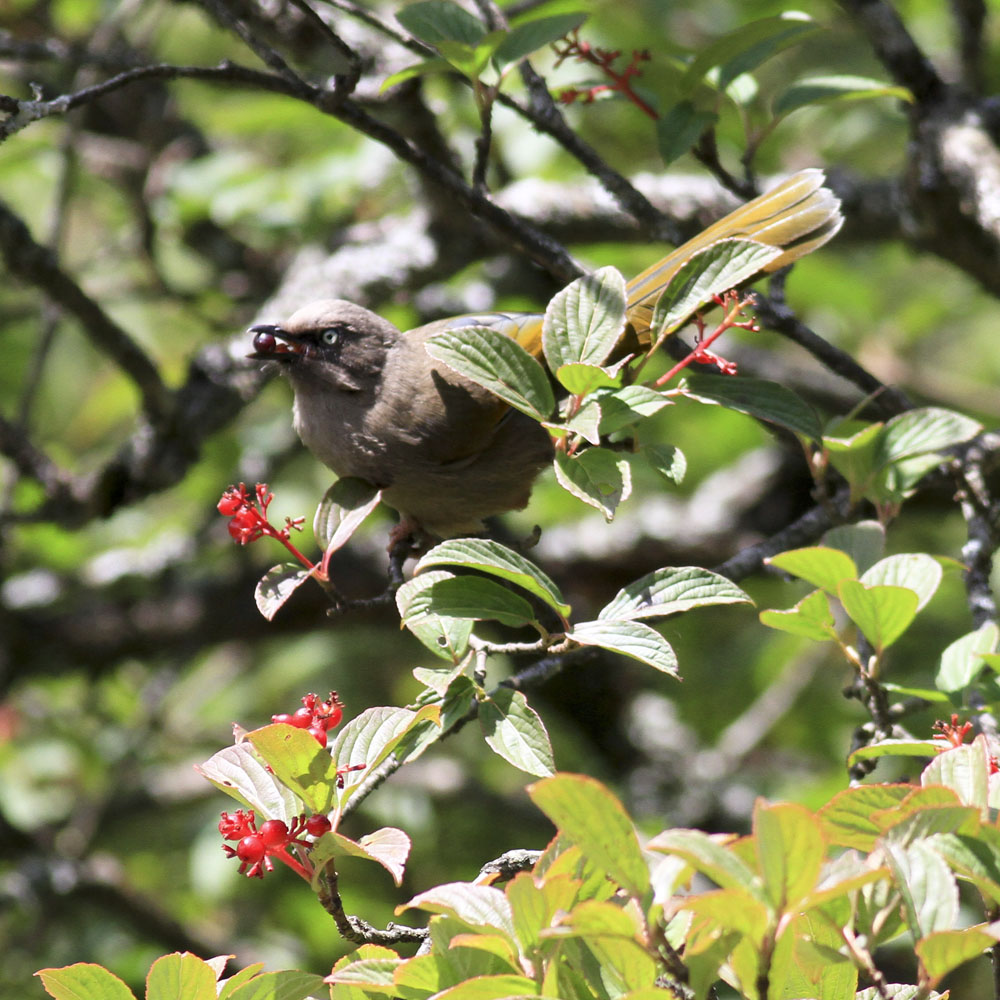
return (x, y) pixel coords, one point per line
(671, 590)
(722, 265)
(498, 560)
(599, 477)
(962, 661)
(916, 571)
(810, 618)
(277, 585)
(630, 638)
(585, 320)
(499, 364)
(882, 614)
(820, 566)
(590, 816)
(516, 732)
(86, 980)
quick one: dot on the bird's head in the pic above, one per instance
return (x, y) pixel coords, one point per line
(331, 341)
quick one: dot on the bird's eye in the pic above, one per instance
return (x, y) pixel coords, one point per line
(330, 336)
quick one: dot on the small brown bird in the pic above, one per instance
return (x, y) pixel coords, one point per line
(371, 402)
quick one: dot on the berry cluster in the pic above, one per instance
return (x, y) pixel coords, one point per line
(619, 81)
(274, 839)
(315, 716)
(247, 513)
(954, 734)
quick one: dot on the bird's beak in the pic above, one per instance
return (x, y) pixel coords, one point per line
(274, 343)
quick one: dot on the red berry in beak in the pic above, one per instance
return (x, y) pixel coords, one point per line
(264, 342)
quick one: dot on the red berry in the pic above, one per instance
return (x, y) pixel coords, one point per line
(333, 719)
(320, 733)
(273, 833)
(317, 825)
(230, 503)
(264, 343)
(251, 848)
(303, 718)
(283, 717)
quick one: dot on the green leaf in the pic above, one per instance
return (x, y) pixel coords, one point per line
(680, 128)
(962, 661)
(529, 36)
(588, 815)
(514, 730)
(497, 560)
(864, 542)
(628, 405)
(810, 618)
(667, 460)
(499, 986)
(239, 772)
(497, 363)
(586, 421)
(630, 638)
(475, 905)
(368, 973)
(671, 590)
(722, 265)
(458, 700)
(848, 818)
(426, 68)
(471, 597)
(919, 432)
(445, 637)
(180, 975)
(944, 950)
(580, 379)
(927, 885)
(585, 320)
(277, 585)
(344, 506)
(964, 769)
(370, 737)
(790, 850)
(288, 984)
(471, 60)
(706, 855)
(895, 748)
(299, 763)
(387, 846)
(746, 47)
(975, 858)
(85, 981)
(854, 456)
(227, 987)
(435, 21)
(598, 476)
(824, 89)
(916, 571)
(822, 567)
(882, 614)
(769, 401)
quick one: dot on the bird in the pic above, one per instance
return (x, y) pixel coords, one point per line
(371, 402)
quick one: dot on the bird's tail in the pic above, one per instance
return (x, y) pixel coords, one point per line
(799, 215)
